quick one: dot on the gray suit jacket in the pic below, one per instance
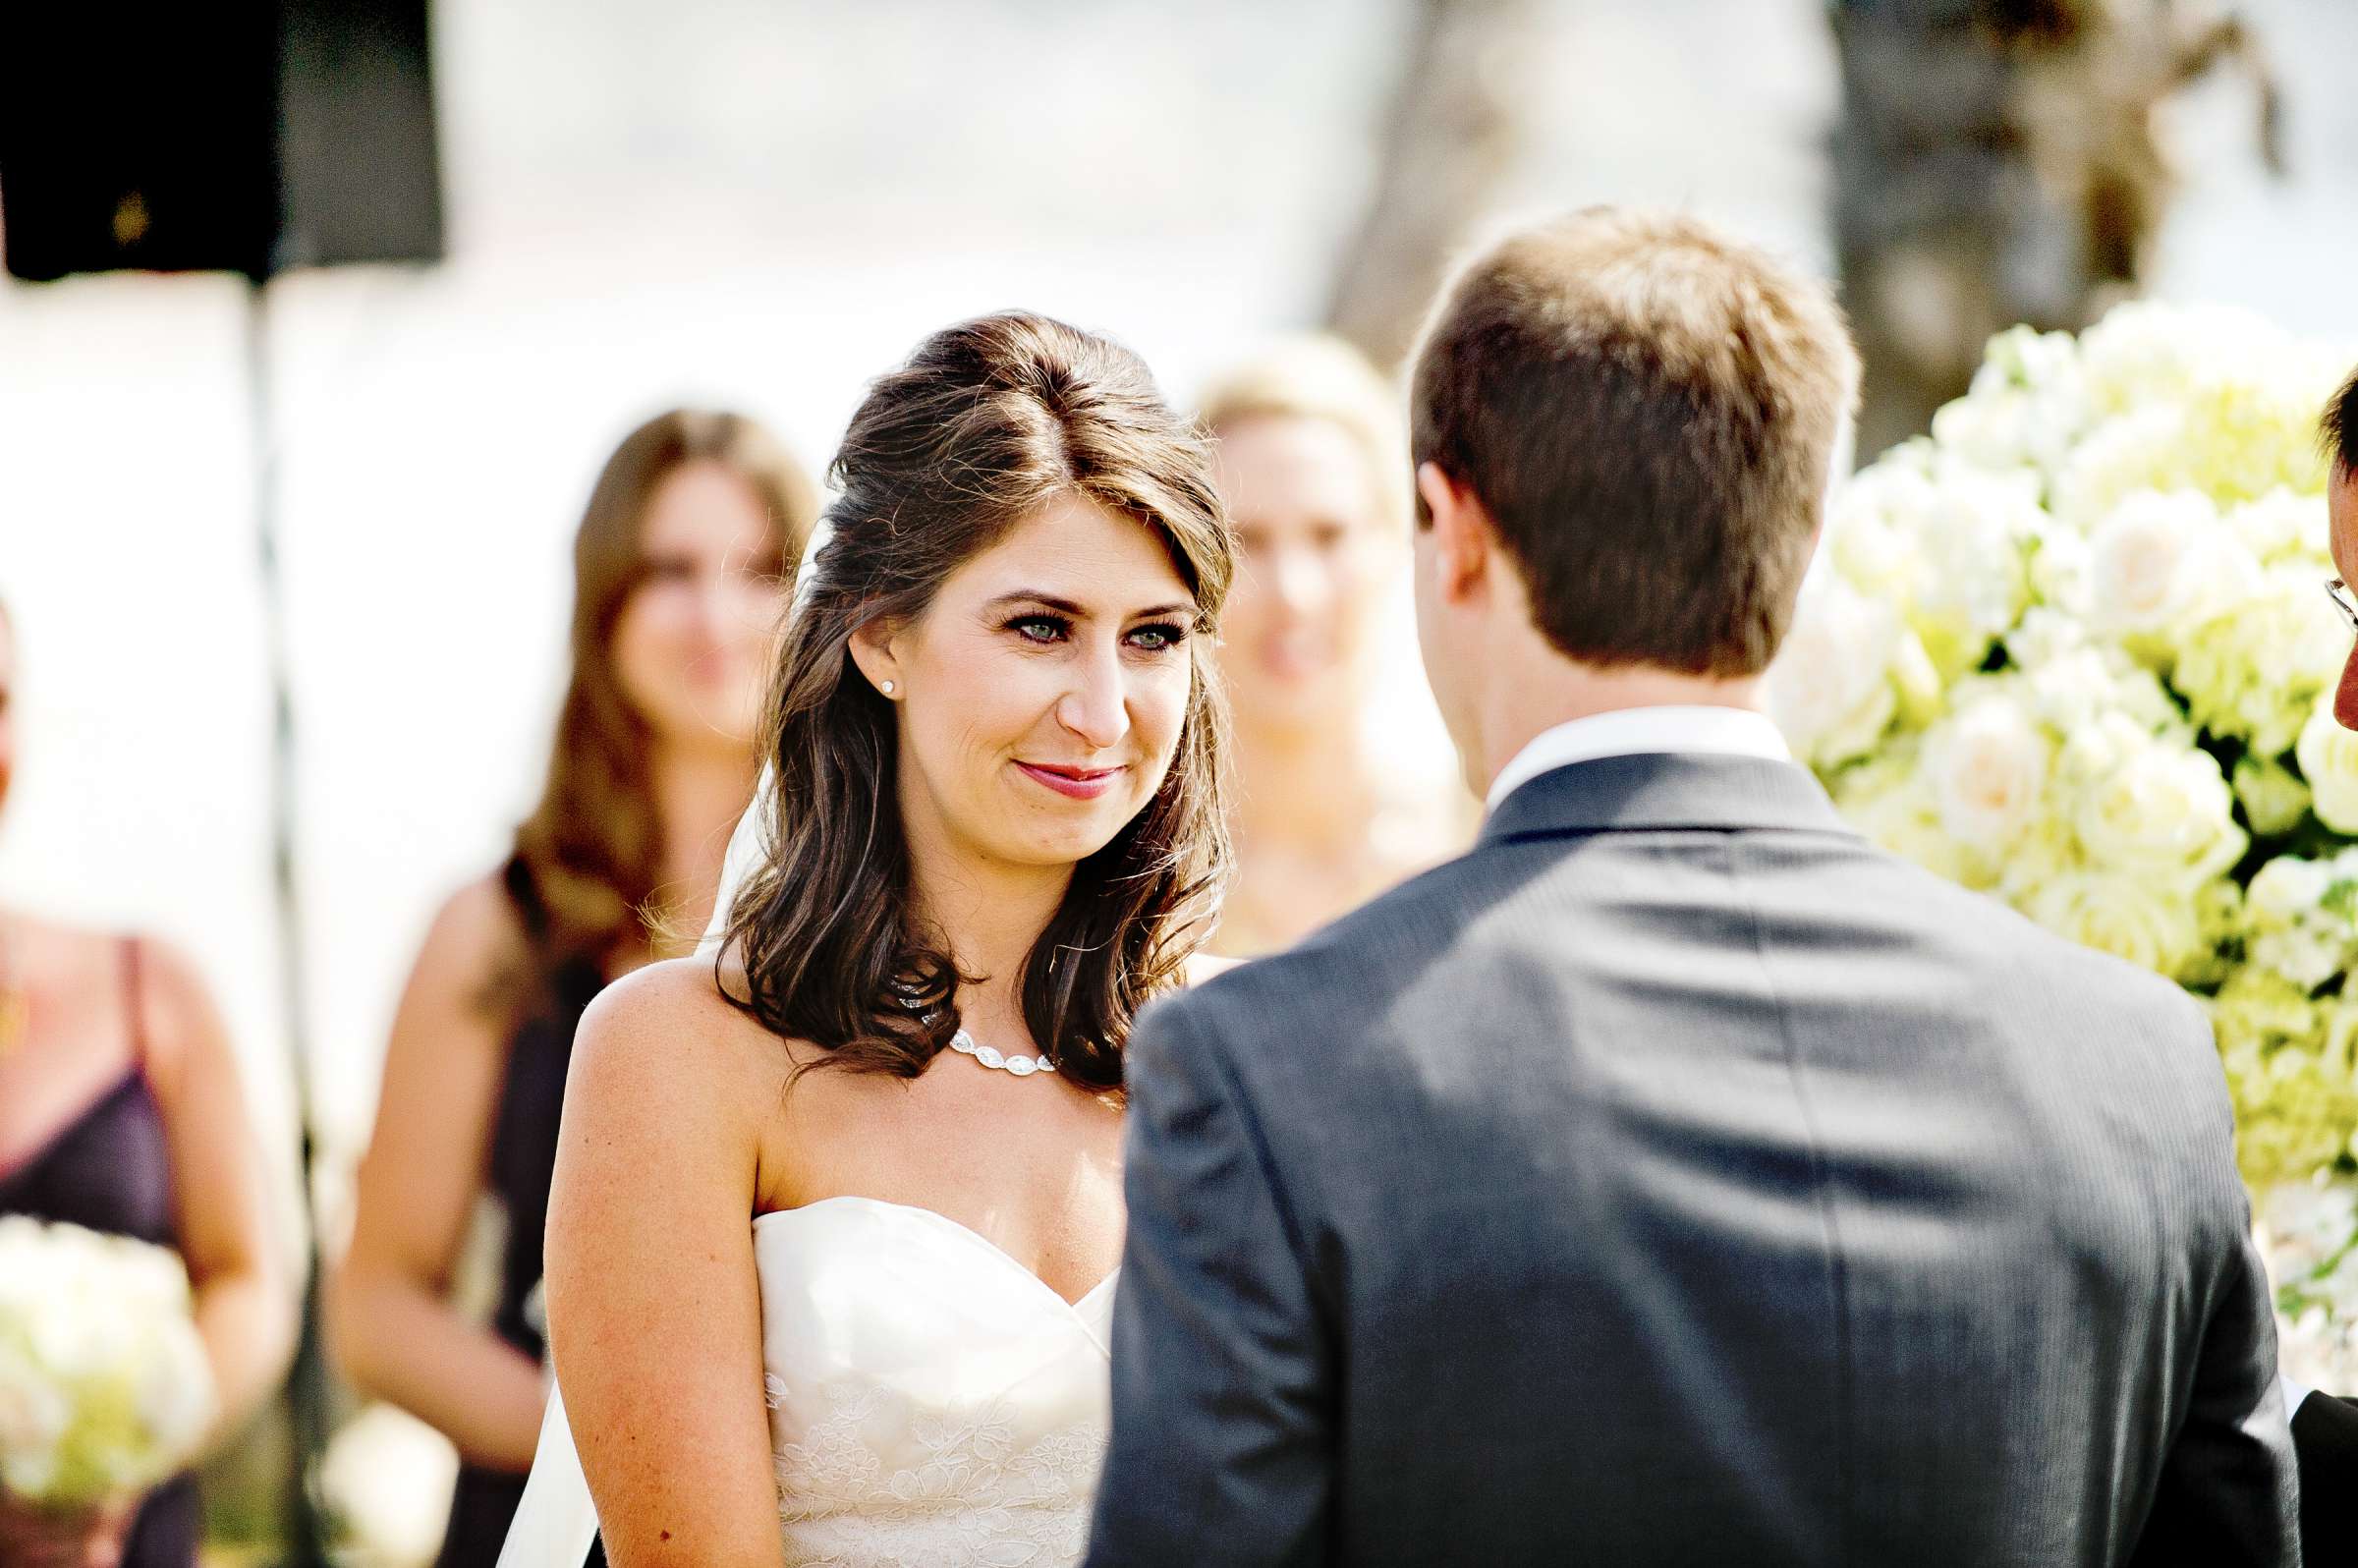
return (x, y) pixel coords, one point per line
(1678, 1179)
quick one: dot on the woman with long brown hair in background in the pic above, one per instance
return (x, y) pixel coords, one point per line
(681, 566)
(121, 1112)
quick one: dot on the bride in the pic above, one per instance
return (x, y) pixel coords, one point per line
(831, 1247)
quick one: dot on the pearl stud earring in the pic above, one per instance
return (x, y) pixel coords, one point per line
(887, 688)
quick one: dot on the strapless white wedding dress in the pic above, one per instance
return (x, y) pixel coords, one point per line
(931, 1401)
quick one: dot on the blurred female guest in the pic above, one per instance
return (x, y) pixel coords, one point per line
(681, 570)
(121, 1112)
(1315, 470)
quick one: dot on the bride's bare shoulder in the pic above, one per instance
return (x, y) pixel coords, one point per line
(663, 1042)
(659, 992)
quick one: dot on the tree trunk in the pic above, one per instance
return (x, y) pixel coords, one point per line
(1998, 162)
(1457, 128)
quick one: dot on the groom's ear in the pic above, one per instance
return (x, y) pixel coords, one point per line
(1463, 534)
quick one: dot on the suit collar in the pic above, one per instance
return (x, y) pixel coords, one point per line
(1663, 727)
(1638, 791)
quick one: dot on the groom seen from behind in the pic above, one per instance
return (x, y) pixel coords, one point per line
(1675, 1178)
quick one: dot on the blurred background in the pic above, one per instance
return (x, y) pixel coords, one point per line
(762, 205)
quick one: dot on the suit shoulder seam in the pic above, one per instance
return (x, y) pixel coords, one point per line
(1838, 1273)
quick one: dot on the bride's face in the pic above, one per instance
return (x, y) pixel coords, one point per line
(1042, 694)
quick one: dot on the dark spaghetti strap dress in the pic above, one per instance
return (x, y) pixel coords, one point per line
(110, 1169)
(523, 1157)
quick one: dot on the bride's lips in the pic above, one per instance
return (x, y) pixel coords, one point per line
(1078, 783)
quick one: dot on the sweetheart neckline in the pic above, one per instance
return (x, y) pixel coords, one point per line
(1074, 1307)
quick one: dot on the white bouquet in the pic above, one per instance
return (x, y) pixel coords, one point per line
(386, 1478)
(104, 1387)
(2074, 649)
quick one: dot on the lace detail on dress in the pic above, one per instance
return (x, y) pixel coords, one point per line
(881, 1479)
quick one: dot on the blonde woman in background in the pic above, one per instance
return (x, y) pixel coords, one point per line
(1332, 807)
(681, 567)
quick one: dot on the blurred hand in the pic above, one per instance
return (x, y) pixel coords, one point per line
(38, 1537)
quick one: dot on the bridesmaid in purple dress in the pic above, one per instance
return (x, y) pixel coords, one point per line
(681, 566)
(120, 1110)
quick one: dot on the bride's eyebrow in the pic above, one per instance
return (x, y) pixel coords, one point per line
(1064, 606)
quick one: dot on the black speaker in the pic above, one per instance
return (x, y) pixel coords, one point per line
(240, 135)
(359, 171)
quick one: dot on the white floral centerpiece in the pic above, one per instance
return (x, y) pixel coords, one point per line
(104, 1387)
(2075, 650)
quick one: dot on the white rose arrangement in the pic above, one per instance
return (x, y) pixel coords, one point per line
(2074, 649)
(104, 1386)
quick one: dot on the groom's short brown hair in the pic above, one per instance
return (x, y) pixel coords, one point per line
(1648, 413)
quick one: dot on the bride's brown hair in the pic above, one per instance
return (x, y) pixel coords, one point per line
(987, 422)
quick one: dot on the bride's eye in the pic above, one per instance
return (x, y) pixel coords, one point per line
(1159, 638)
(1040, 628)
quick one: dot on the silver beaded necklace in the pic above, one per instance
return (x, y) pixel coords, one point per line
(998, 1061)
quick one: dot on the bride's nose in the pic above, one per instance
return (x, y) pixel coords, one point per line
(1096, 706)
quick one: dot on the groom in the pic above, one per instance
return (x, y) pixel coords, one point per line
(1675, 1178)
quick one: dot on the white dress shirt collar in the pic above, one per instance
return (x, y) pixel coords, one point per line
(1724, 731)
